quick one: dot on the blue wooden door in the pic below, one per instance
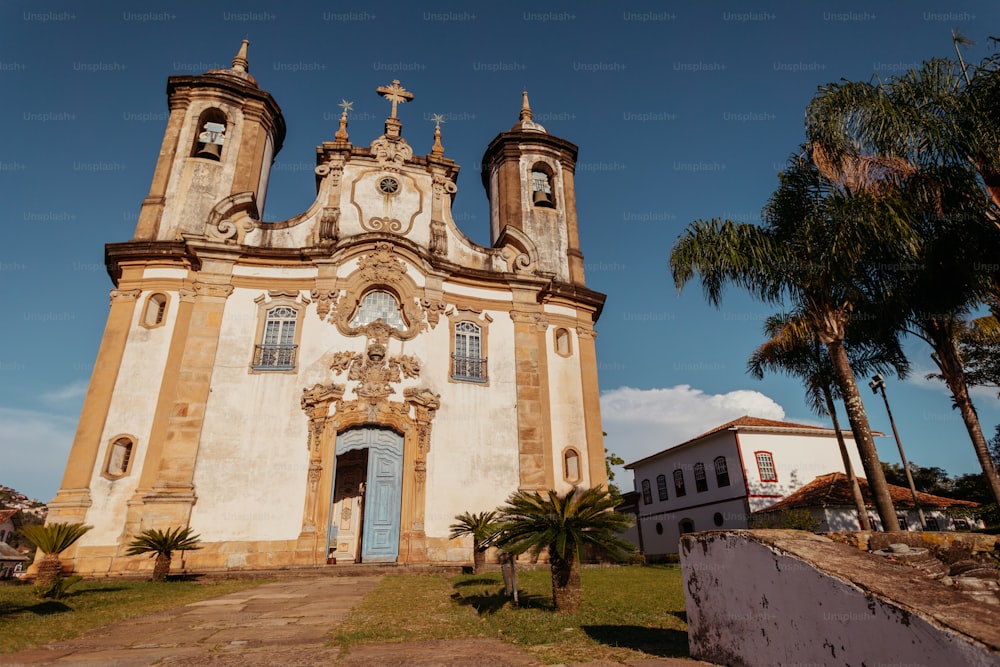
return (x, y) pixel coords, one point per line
(383, 492)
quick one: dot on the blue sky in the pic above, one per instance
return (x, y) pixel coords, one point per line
(680, 113)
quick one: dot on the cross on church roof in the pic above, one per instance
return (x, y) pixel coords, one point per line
(395, 93)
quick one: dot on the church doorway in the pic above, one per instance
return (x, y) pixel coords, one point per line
(366, 497)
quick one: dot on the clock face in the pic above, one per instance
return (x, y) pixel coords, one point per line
(388, 185)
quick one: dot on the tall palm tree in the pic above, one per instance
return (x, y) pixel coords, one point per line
(792, 347)
(162, 544)
(827, 248)
(52, 539)
(563, 525)
(481, 526)
(936, 127)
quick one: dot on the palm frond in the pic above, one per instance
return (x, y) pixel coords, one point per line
(54, 538)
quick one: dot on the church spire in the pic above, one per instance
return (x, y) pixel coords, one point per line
(525, 121)
(341, 134)
(525, 106)
(437, 150)
(240, 62)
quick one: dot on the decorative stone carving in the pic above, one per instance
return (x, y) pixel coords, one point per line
(536, 319)
(120, 295)
(391, 151)
(586, 332)
(439, 239)
(374, 373)
(329, 224)
(213, 289)
(433, 311)
(233, 218)
(377, 224)
(186, 295)
(232, 231)
(316, 404)
(325, 301)
(381, 265)
(517, 262)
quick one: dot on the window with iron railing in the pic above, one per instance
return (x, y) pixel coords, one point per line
(276, 352)
(468, 362)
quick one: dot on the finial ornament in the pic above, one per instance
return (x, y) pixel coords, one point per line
(240, 62)
(341, 134)
(437, 149)
(395, 93)
(525, 106)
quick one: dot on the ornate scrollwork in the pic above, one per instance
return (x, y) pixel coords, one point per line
(381, 265)
(231, 230)
(433, 311)
(391, 151)
(213, 289)
(376, 224)
(124, 295)
(517, 262)
(439, 239)
(325, 301)
(374, 373)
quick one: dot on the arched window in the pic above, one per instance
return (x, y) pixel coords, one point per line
(700, 483)
(679, 489)
(379, 305)
(563, 346)
(661, 486)
(686, 526)
(154, 314)
(276, 350)
(542, 193)
(468, 362)
(210, 135)
(647, 493)
(571, 465)
(721, 472)
(765, 465)
(119, 458)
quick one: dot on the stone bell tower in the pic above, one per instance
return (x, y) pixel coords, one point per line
(222, 135)
(528, 176)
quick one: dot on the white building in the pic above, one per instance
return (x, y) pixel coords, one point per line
(716, 480)
(338, 386)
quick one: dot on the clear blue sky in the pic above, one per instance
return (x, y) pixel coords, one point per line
(680, 112)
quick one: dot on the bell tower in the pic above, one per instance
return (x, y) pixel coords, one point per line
(221, 138)
(529, 179)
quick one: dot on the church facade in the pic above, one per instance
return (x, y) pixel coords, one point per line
(335, 387)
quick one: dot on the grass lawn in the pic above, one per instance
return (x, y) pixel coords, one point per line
(27, 622)
(627, 613)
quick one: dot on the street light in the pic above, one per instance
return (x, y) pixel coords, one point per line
(877, 384)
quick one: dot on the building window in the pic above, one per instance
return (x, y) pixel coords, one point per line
(379, 305)
(154, 314)
(210, 135)
(700, 482)
(679, 489)
(765, 465)
(659, 528)
(901, 519)
(562, 340)
(718, 519)
(119, 459)
(541, 186)
(932, 523)
(661, 486)
(276, 351)
(468, 362)
(686, 526)
(960, 524)
(721, 472)
(571, 466)
(647, 493)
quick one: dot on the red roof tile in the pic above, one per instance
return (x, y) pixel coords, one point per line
(834, 490)
(6, 515)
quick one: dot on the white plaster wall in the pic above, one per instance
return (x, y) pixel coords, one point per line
(798, 459)
(667, 542)
(473, 462)
(750, 604)
(569, 428)
(133, 404)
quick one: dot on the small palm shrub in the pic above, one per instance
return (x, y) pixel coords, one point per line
(161, 544)
(52, 539)
(482, 527)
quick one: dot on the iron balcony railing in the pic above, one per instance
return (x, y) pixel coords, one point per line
(472, 369)
(274, 357)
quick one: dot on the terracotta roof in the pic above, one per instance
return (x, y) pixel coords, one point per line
(834, 490)
(748, 423)
(9, 553)
(6, 515)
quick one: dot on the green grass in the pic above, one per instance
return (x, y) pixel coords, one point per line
(27, 622)
(627, 613)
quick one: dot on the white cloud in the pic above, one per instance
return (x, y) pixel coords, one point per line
(70, 392)
(641, 422)
(35, 447)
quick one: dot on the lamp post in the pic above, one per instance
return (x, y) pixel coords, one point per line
(878, 384)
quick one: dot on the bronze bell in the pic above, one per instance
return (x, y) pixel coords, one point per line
(542, 198)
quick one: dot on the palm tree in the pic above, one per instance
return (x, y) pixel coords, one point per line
(482, 527)
(52, 539)
(829, 249)
(792, 347)
(563, 525)
(936, 128)
(162, 544)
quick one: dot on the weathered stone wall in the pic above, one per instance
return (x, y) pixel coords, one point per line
(789, 597)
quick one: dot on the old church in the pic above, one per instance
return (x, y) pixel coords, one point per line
(333, 388)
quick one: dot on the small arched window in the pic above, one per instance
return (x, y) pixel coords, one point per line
(119, 460)
(700, 483)
(563, 347)
(379, 305)
(467, 361)
(154, 314)
(571, 465)
(679, 489)
(210, 134)
(721, 472)
(686, 526)
(276, 350)
(661, 486)
(542, 192)
(647, 493)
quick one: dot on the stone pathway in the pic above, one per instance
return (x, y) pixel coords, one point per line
(277, 624)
